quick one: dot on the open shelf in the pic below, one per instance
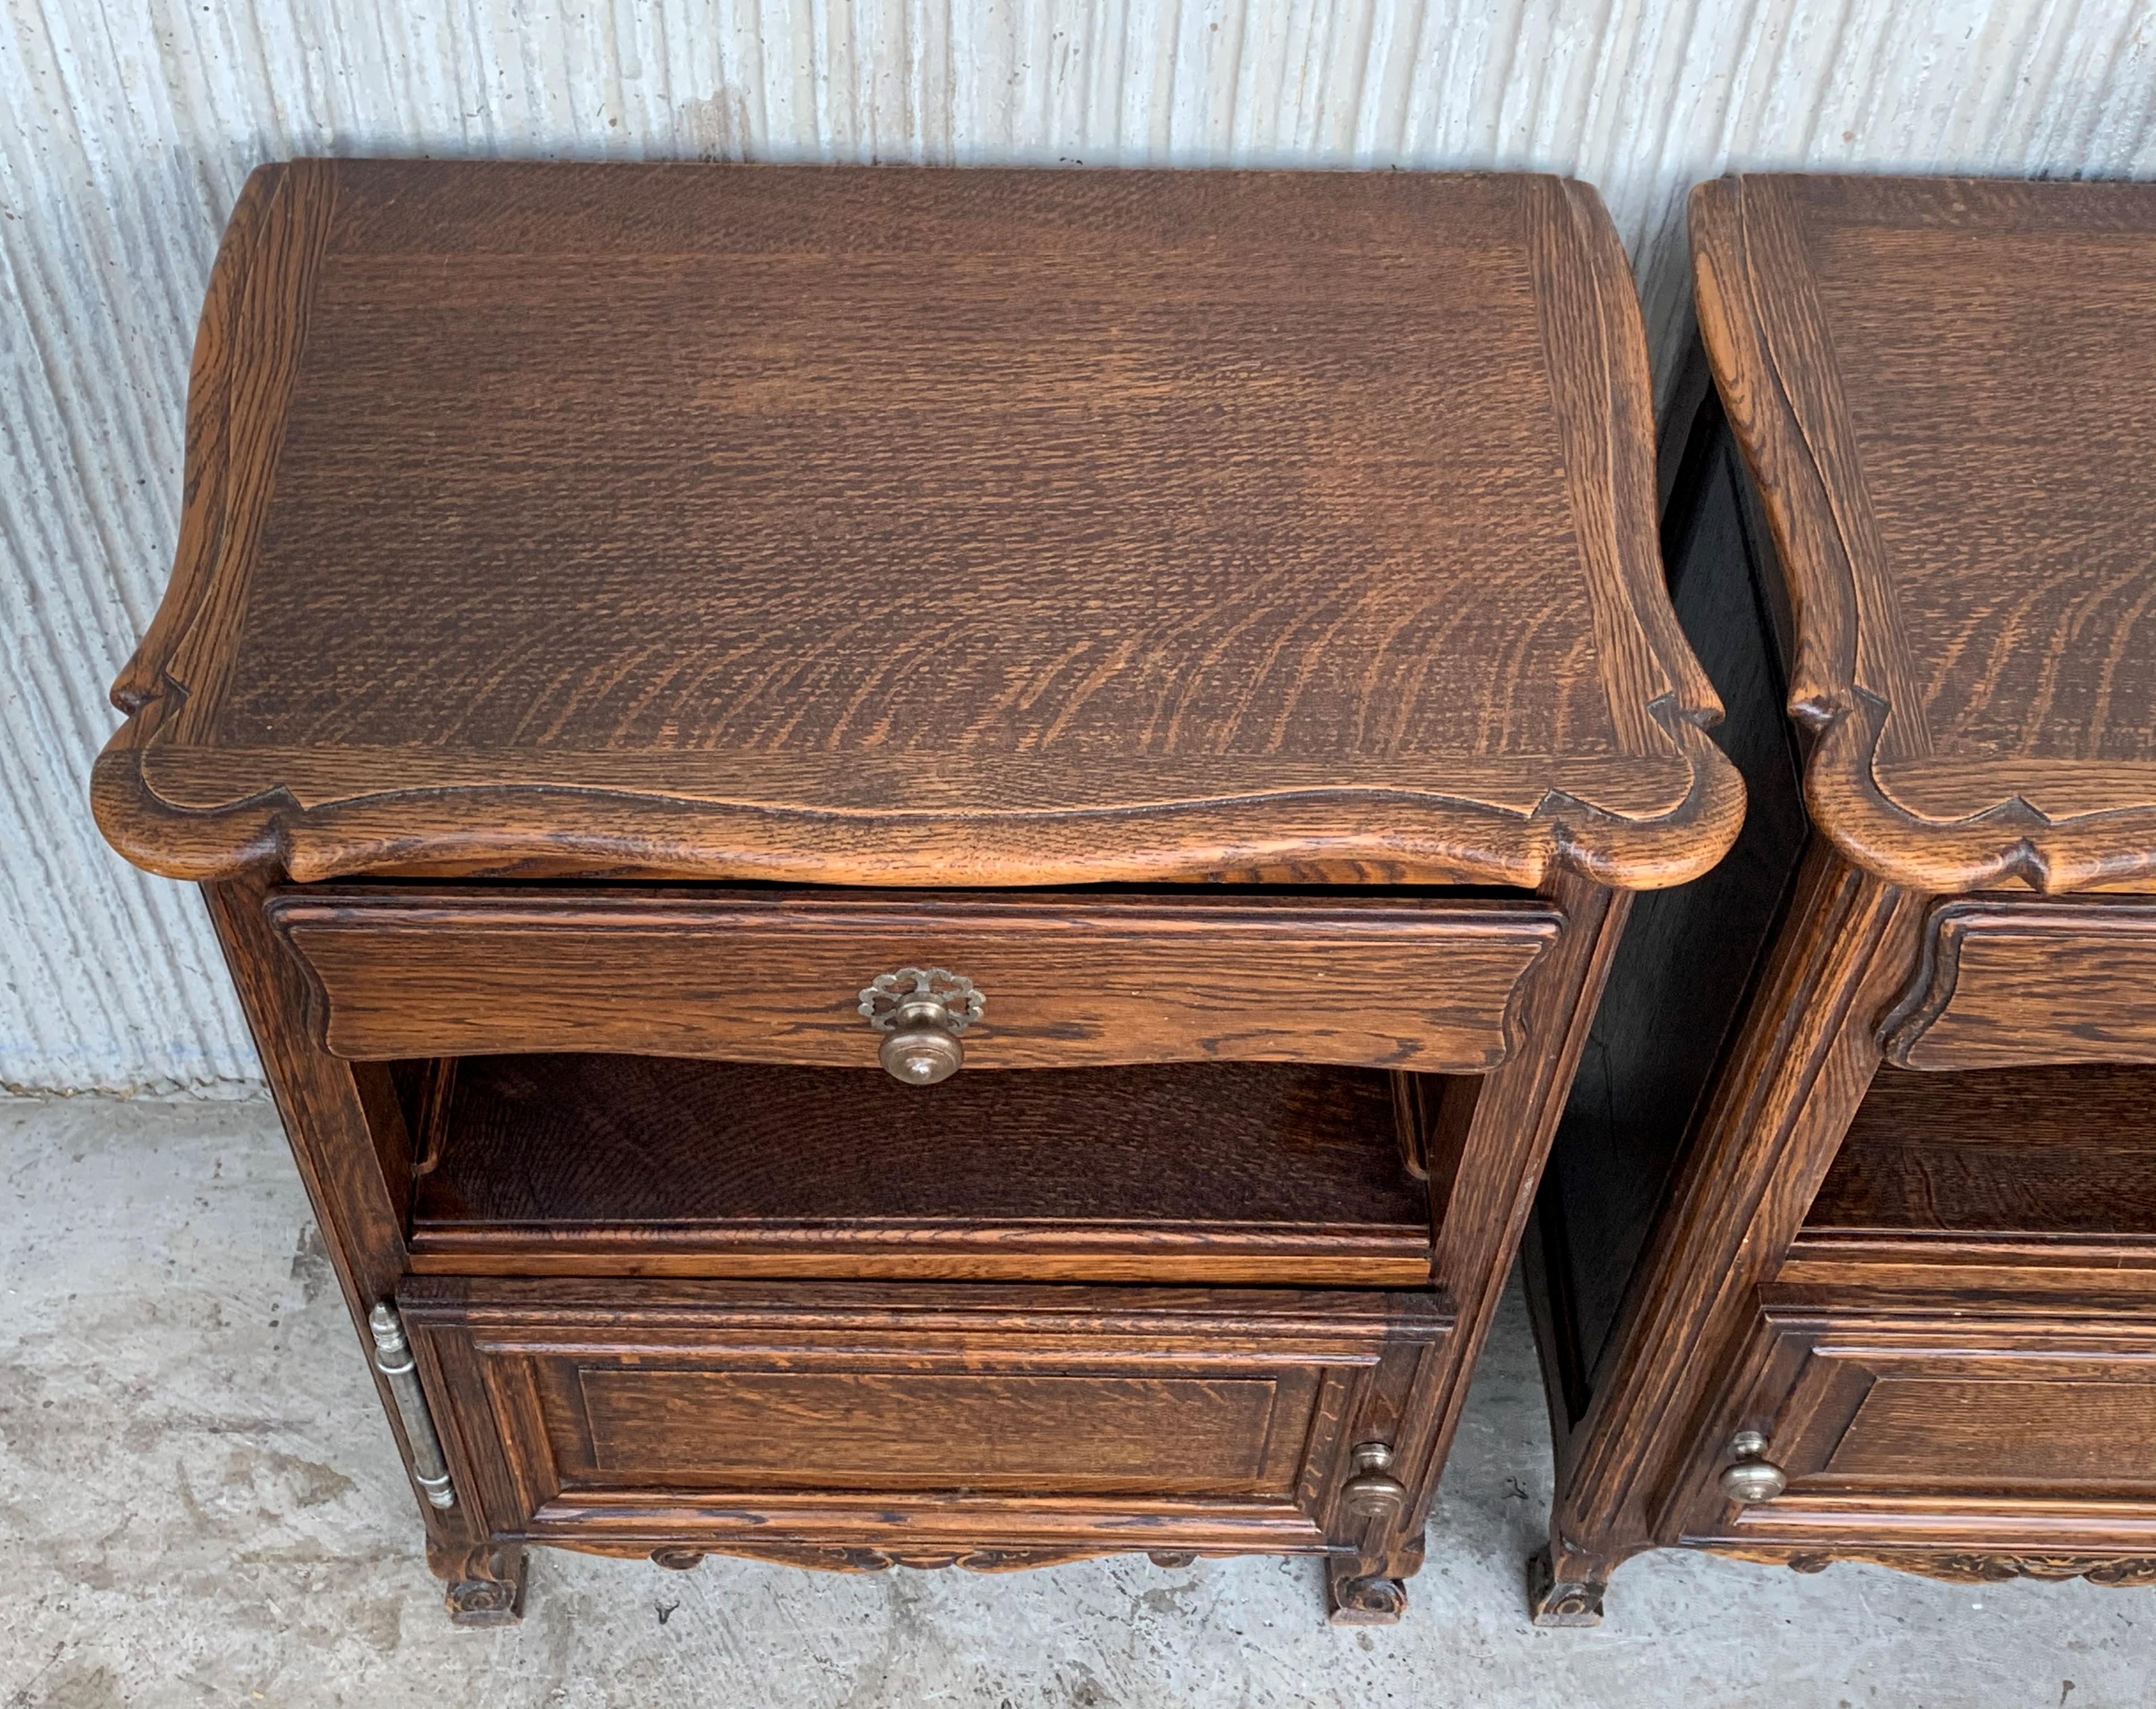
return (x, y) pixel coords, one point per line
(637, 1165)
(2020, 1153)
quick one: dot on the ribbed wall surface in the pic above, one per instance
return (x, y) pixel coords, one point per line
(126, 130)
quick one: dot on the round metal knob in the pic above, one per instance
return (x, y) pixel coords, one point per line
(920, 1011)
(921, 1053)
(1753, 1477)
(1371, 1494)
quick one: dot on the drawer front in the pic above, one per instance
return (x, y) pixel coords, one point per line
(2007, 984)
(776, 977)
(1942, 1429)
(619, 1414)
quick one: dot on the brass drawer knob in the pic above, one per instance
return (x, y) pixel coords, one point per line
(1372, 1493)
(921, 1011)
(1753, 1477)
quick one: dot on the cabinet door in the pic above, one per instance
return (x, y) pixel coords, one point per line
(634, 1415)
(1972, 1436)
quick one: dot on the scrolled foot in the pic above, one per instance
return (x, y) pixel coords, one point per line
(1568, 1601)
(1353, 1598)
(481, 1586)
(678, 1560)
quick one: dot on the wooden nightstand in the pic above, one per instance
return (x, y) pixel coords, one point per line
(1901, 1302)
(650, 645)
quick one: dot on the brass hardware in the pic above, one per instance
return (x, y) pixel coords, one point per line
(1753, 1477)
(922, 1010)
(1372, 1493)
(392, 1357)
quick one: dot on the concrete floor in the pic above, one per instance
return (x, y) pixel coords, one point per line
(200, 1505)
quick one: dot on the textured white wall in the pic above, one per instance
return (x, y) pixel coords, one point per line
(126, 127)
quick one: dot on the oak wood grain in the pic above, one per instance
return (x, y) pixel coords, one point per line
(2063, 1153)
(841, 1414)
(634, 1165)
(918, 528)
(1430, 984)
(1775, 1112)
(2006, 983)
(1953, 1432)
(1944, 385)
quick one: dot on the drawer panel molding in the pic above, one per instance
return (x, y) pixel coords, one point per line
(1073, 980)
(2005, 983)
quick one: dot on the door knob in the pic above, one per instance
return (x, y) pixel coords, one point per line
(1752, 1477)
(1372, 1493)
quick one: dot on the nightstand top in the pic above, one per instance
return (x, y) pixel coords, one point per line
(889, 525)
(1946, 388)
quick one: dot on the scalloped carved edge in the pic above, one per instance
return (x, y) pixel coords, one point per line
(1824, 533)
(1931, 987)
(456, 830)
(846, 1557)
(2117, 1572)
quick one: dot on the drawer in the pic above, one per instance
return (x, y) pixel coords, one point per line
(628, 1415)
(779, 977)
(1972, 1430)
(2005, 983)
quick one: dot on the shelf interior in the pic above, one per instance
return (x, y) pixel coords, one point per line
(622, 1164)
(2029, 1153)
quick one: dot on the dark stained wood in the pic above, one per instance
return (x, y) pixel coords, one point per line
(1962, 1433)
(1689, 954)
(2045, 1151)
(776, 975)
(1942, 387)
(1803, 1057)
(981, 527)
(691, 1416)
(2006, 982)
(631, 1165)
(353, 1151)
(950, 537)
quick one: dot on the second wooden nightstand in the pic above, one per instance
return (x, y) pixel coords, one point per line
(1901, 1301)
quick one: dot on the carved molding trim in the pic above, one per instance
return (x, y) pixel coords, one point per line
(2123, 927)
(1853, 681)
(839, 1558)
(205, 812)
(2116, 1571)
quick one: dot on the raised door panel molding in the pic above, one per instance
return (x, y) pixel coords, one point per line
(688, 1415)
(1945, 1432)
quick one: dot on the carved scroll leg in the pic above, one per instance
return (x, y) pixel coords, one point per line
(1371, 1590)
(1375, 1512)
(483, 1583)
(1565, 1588)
